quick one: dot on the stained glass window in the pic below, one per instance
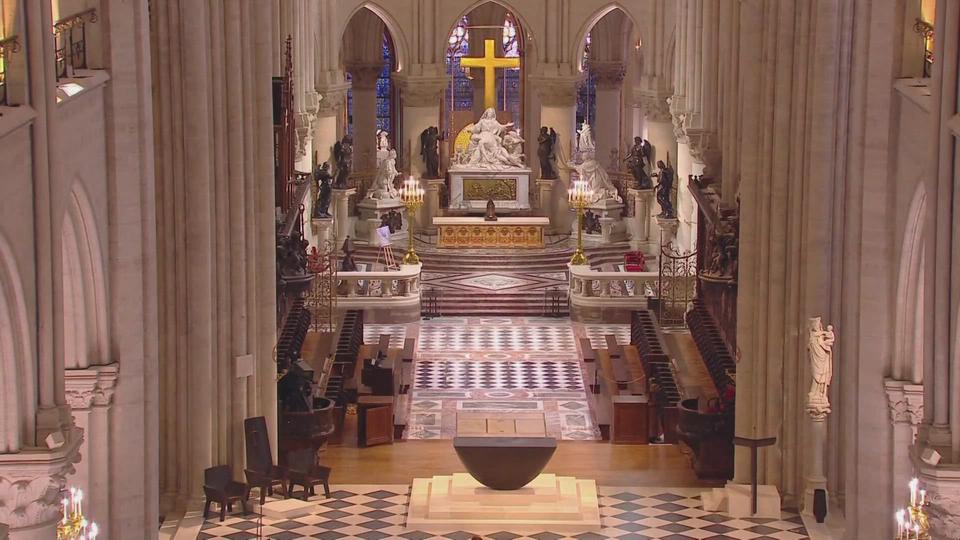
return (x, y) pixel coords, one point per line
(587, 92)
(460, 93)
(384, 89)
(384, 92)
(508, 80)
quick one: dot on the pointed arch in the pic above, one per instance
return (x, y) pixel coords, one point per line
(450, 25)
(400, 41)
(576, 55)
(909, 317)
(84, 308)
(17, 365)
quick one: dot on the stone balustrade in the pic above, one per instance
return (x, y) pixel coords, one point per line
(592, 288)
(379, 290)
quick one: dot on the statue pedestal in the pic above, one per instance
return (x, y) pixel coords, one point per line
(815, 478)
(471, 188)
(322, 230)
(341, 212)
(372, 212)
(668, 230)
(545, 201)
(643, 198)
(433, 204)
(612, 227)
(559, 504)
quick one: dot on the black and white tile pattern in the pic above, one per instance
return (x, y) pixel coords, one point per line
(375, 512)
(491, 334)
(438, 374)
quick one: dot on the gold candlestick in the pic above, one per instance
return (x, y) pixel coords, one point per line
(579, 196)
(412, 196)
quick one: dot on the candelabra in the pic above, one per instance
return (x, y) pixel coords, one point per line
(579, 196)
(73, 526)
(912, 521)
(412, 196)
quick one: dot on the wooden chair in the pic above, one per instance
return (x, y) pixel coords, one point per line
(220, 487)
(261, 472)
(304, 471)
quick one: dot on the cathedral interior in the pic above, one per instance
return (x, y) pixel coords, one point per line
(500, 269)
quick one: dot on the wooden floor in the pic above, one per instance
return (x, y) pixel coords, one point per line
(608, 464)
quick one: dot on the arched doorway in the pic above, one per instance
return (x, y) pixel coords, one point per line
(369, 56)
(464, 97)
(17, 390)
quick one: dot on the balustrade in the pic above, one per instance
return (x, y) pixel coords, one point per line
(70, 36)
(590, 287)
(385, 288)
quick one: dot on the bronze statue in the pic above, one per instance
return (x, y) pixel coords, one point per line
(591, 223)
(547, 153)
(343, 153)
(637, 160)
(491, 211)
(665, 190)
(347, 264)
(321, 179)
(430, 151)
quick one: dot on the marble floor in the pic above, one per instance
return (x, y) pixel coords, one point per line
(502, 367)
(372, 512)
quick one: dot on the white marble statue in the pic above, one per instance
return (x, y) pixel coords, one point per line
(383, 140)
(383, 187)
(513, 142)
(597, 179)
(585, 142)
(486, 149)
(820, 350)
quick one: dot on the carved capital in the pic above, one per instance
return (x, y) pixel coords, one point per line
(904, 402)
(332, 97)
(609, 75)
(90, 386)
(556, 90)
(703, 148)
(31, 482)
(655, 107)
(364, 76)
(678, 114)
(421, 90)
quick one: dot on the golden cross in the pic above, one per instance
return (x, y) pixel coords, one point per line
(489, 63)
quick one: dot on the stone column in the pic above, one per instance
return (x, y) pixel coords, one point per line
(341, 214)
(607, 128)
(668, 231)
(421, 88)
(558, 110)
(89, 393)
(433, 204)
(905, 404)
(363, 78)
(658, 126)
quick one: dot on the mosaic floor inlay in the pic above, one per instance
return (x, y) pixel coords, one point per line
(375, 512)
(500, 366)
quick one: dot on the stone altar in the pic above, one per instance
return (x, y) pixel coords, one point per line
(612, 227)
(506, 232)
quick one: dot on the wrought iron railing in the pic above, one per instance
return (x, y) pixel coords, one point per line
(677, 285)
(70, 36)
(8, 46)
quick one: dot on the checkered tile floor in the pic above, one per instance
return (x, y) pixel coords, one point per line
(375, 512)
(597, 334)
(503, 374)
(397, 333)
(497, 334)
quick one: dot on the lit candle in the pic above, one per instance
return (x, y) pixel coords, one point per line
(913, 491)
(80, 501)
(94, 531)
(923, 496)
(73, 499)
(64, 502)
(916, 530)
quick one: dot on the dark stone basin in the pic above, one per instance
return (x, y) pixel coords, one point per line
(504, 463)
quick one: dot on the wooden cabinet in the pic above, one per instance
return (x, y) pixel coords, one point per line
(374, 420)
(630, 417)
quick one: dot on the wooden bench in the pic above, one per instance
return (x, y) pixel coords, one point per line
(409, 349)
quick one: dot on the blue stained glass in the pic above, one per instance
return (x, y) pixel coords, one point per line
(587, 92)
(385, 89)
